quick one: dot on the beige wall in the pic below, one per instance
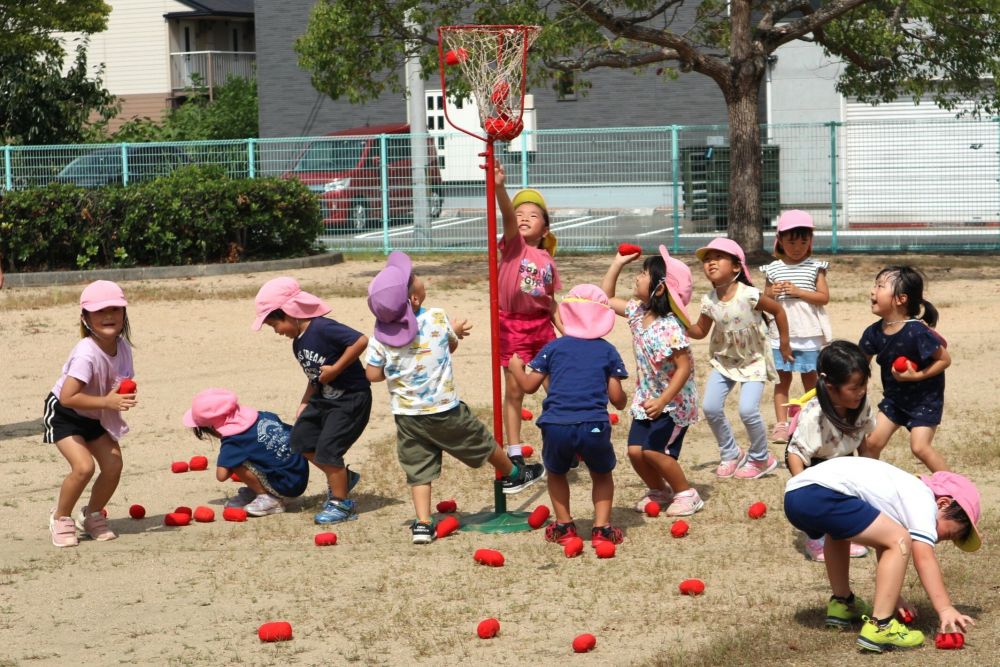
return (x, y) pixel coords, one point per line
(149, 105)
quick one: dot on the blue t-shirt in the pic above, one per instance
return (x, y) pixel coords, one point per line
(266, 447)
(916, 341)
(578, 371)
(321, 344)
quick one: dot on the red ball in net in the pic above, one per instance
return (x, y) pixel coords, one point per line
(127, 386)
(137, 511)
(584, 643)
(275, 631)
(455, 56)
(502, 128)
(488, 628)
(500, 93)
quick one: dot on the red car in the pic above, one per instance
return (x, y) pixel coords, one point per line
(345, 172)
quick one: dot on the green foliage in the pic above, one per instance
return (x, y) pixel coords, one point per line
(27, 27)
(195, 215)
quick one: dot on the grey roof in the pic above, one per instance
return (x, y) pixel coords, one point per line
(215, 8)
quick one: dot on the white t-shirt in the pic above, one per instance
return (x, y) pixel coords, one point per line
(897, 493)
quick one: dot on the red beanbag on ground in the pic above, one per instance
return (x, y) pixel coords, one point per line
(183, 509)
(137, 511)
(447, 506)
(275, 631)
(679, 528)
(757, 510)
(204, 514)
(584, 643)
(490, 557)
(605, 549)
(527, 451)
(447, 526)
(325, 539)
(234, 514)
(526, 414)
(198, 463)
(573, 547)
(949, 640)
(652, 509)
(613, 418)
(538, 517)
(692, 587)
(177, 519)
(626, 249)
(179, 466)
(488, 628)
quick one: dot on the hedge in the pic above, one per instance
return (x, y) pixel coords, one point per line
(196, 215)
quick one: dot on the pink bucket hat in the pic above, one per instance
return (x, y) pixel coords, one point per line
(794, 219)
(586, 313)
(679, 285)
(219, 410)
(963, 492)
(102, 294)
(728, 246)
(285, 293)
(389, 301)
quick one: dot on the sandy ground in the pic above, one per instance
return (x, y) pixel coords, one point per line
(196, 595)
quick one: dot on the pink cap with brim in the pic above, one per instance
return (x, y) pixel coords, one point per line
(792, 219)
(730, 247)
(586, 313)
(679, 283)
(102, 294)
(285, 294)
(219, 410)
(389, 301)
(963, 492)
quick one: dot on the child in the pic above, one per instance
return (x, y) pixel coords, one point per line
(798, 283)
(527, 283)
(913, 398)
(254, 445)
(83, 413)
(585, 372)
(739, 354)
(665, 403)
(334, 409)
(874, 503)
(835, 422)
(411, 350)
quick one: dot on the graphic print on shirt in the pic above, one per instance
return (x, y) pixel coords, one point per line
(274, 438)
(532, 280)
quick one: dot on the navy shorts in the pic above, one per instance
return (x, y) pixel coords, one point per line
(62, 422)
(902, 418)
(657, 435)
(329, 426)
(591, 440)
(820, 511)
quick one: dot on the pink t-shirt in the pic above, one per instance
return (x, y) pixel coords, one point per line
(527, 280)
(99, 371)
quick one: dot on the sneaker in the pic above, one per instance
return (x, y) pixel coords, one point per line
(858, 550)
(839, 614)
(63, 531)
(814, 548)
(606, 534)
(423, 533)
(728, 468)
(242, 498)
(654, 495)
(892, 635)
(517, 460)
(95, 526)
(685, 503)
(560, 532)
(527, 474)
(335, 511)
(264, 504)
(756, 469)
(352, 481)
(779, 434)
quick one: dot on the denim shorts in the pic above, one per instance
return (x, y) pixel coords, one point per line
(820, 511)
(591, 440)
(657, 435)
(804, 361)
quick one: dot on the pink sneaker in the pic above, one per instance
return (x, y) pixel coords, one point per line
(661, 497)
(63, 531)
(814, 548)
(685, 503)
(96, 526)
(728, 468)
(756, 469)
(858, 550)
(779, 434)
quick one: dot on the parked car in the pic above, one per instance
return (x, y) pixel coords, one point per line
(345, 172)
(103, 166)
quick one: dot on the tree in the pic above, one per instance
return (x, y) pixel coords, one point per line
(949, 49)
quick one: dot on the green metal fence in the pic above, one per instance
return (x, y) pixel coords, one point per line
(915, 186)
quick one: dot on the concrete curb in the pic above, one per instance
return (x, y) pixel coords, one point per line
(46, 278)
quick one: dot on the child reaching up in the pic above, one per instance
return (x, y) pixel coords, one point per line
(879, 505)
(585, 373)
(337, 401)
(83, 413)
(254, 445)
(798, 283)
(665, 402)
(527, 283)
(739, 354)
(411, 350)
(912, 398)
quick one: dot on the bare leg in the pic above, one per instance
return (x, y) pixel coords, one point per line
(781, 395)
(249, 479)
(603, 494)
(513, 401)
(667, 468)
(422, 502)
(499, 460)
(559, 495)
(920, 445)
(808, 380)
(879, 438)
(108, 455)
(892, 548)
(81, 469)
(647, 473)
(336, 476)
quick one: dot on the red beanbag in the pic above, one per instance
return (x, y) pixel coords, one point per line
(526, 414)
(902, 364)
(204, 514)
(905, 616)
(613, 418)
(183, 509)
(626, 249)
(179, 466)
(325, 539)
(137, 511)
(275, 631)
(692, 587)
(584, 643)
(488, 628)
(605, 549)
(949, 640)
(679, 528)
(234, 514)
(448, 525)
(538, 517)
(127, 386)
(447, 506)
(236, 478)
(757, 510)
(652, 509)
(177, 519)
(527, 451)
(573, 547)
(198, 463)
(490, 557)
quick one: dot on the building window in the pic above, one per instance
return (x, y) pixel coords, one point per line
(236, 40)
(565, 87)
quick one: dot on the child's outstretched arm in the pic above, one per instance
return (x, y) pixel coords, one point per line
(528, 382)
(941, 361)
(926, 564)
(374, 373)
(776, 310)
(504, 202)
(556, 319)
(616, 395)
(700, 329)
(610, 281)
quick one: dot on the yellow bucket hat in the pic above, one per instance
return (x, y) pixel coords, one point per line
(530, 196)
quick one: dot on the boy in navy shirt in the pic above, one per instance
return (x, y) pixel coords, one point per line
(337, 402)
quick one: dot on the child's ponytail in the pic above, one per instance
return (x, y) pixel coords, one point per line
(837, 362)
(930, 314)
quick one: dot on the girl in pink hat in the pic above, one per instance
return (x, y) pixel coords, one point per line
(739, 354)
(798, 283)
(665, 402)
(83, 413)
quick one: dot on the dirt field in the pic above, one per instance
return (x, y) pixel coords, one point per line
(196, 595)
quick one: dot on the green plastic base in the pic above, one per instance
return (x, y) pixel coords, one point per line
(496, 522)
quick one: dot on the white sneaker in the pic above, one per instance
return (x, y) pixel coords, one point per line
(243, 497)
(263, 505)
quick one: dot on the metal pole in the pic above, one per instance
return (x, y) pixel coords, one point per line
(8, 175)
(833, 185)
(418, 139)
(675, 169)
(251, 158)
(524, 158)
(384, 178)
(124, 164)
(499, 500)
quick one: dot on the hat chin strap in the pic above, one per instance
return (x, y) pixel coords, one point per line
(93, 333)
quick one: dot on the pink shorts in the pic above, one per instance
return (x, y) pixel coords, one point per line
(524, 335)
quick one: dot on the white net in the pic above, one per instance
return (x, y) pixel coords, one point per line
(492, 60)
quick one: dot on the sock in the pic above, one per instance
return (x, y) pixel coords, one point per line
(882, 622)
(514, 450)
(846, 600)
(514, 471)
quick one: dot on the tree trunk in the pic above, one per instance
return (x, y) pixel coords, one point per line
(745, 165)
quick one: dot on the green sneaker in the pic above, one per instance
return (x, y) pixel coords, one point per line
(840, 615)
(895, 634)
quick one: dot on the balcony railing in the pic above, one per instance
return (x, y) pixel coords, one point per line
(209, 68)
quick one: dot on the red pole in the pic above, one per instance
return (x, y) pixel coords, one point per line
(491, 244)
